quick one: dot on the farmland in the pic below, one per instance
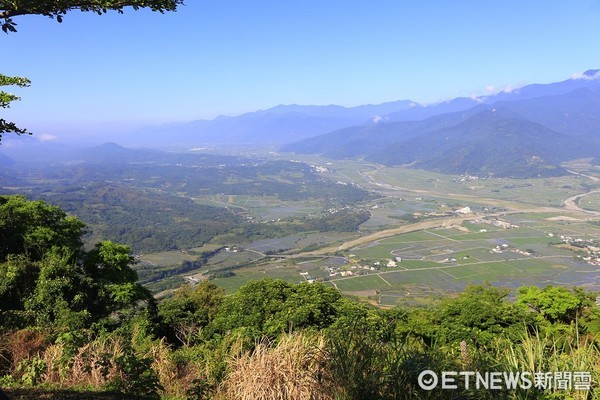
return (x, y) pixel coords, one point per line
(511, 236)
(342, 222)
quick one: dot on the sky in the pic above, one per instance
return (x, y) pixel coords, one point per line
(223, 57)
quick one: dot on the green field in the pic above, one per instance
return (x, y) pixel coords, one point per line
(360, 283)
(590, 202)
(435, 261)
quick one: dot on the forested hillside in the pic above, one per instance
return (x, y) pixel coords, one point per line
(159, 201)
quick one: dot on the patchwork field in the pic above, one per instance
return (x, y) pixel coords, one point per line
(515, 232)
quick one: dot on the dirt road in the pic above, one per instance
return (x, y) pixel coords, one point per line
(571, 203)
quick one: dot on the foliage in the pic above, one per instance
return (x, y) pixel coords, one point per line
(31, 228)
(556, 303)
(58, 8)
(269, 307)
(479, 314)
(136, 377)
(190, 309)
(48, 279)
(6, 99)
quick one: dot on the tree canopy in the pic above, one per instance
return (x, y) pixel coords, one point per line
(48, 279)
(56, 9)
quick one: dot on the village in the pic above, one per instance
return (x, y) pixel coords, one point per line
(588, 249)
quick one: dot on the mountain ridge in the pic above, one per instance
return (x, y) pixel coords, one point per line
(550, 124)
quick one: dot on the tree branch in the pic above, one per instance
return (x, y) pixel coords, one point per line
(58, 8)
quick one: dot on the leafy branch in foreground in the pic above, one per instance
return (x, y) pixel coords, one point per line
(58, 8)
(6, 99)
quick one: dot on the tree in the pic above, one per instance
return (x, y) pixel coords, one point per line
(190, 309)
(47, 278)
(478, 314)
(113, 283)
(31, 228)
(56, 9)
(272, 306)
(6, 99)
(555, 303)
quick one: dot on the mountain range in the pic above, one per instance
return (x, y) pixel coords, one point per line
(525, 133)
(275, 126)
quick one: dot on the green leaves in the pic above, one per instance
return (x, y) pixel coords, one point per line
(33, 227)
(45, 273)
(555, 303)
(58, 8)
(270, 307)
(7, 98)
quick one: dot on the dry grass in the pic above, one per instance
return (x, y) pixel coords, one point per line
(290, 370)
(92, 366)
(24, 344)
(174, 378)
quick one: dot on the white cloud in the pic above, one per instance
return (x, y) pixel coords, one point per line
(378, 118)
(476, 98)
(586, 76)
(46, 137)
(490, 89)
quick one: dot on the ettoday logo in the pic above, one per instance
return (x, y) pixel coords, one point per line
(448, 380)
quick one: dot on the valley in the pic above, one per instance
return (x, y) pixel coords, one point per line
(509, 241)
(299, 201)
(394, 202)
(392, 235)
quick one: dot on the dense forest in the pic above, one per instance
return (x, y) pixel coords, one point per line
(75, 320)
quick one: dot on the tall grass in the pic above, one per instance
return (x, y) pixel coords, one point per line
(350, 365)
(546, 352)
(293, 369)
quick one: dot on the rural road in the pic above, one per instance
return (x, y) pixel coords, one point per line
(418, 226)
(571, 203)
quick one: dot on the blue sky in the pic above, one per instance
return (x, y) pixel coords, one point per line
(118, 72)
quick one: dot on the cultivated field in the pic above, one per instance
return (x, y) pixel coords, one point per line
(511, 235)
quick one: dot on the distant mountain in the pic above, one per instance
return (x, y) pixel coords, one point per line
(285, 124)
(588, 80)
(363, 140)
(574, 113)
(489, 143)
(112, 153)
(5, 160)
(527, 132)
(420, 112)
(51, 154)
(356, 141)
(277, 125)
